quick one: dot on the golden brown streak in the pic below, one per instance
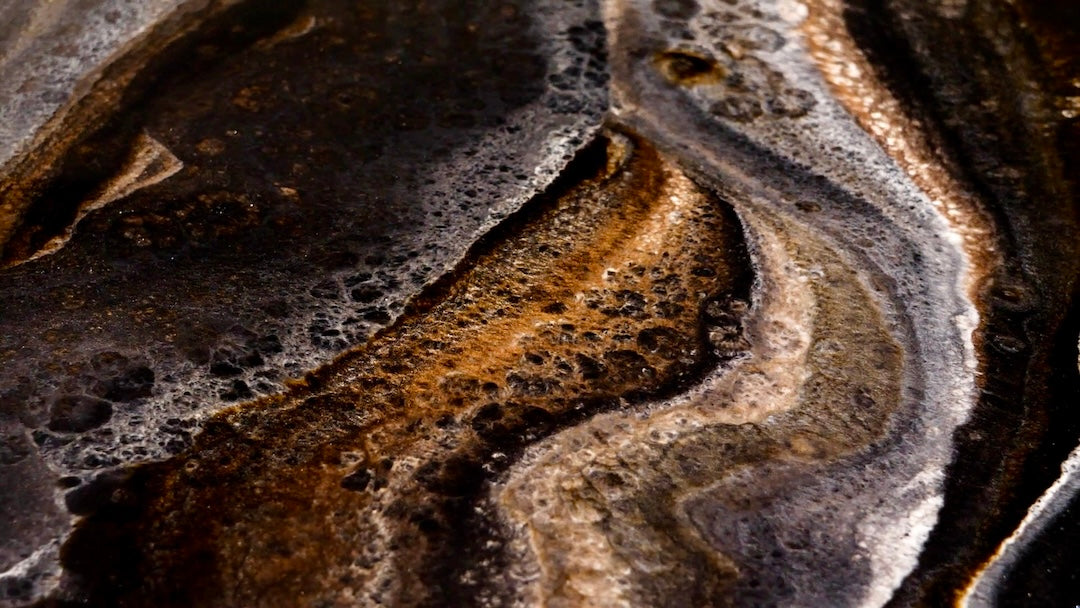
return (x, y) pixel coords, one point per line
(336, 490)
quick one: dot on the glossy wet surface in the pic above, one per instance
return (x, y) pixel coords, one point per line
(531, 303)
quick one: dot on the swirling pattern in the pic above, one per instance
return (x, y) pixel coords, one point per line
(643, 302)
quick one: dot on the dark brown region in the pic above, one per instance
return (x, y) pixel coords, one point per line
(285, 111)
(1046, 573)
(297, 211)
(277, 500)
(967, 79)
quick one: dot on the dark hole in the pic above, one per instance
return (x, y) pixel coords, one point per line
(684, 68)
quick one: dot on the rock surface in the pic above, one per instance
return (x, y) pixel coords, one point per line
(636, 302)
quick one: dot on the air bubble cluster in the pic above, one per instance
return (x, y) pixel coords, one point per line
(314, 200)
(735, 48)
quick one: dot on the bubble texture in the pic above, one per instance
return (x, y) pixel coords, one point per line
(362, 304)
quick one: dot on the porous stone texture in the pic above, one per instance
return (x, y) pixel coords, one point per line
(621, 303)
(315, 198)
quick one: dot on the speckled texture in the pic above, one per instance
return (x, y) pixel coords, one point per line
(50, 55)
(641, 302)
(277, 245)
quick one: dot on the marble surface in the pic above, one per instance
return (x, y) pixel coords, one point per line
(634, 302)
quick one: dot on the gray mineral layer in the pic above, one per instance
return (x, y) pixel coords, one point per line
(539, 303)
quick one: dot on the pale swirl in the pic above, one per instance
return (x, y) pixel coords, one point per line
(636, 303)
